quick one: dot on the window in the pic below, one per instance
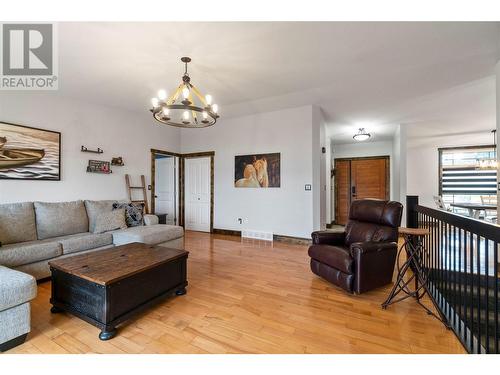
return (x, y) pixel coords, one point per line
(461, 177)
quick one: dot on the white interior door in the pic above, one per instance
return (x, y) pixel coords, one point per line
(165, 188)
(197, 193)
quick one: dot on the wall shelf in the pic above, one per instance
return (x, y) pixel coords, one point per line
(98, 151)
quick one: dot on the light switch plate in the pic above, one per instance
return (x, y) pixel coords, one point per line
(307, 187)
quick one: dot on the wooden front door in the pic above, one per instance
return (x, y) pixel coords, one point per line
(359, 178)
(342, 190)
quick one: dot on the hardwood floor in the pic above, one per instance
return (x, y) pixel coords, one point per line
(250, 297)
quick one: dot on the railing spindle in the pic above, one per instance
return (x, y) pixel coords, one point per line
(495, 291)
(478, 291)
(471, 288)
(460, 280)
(486, 296)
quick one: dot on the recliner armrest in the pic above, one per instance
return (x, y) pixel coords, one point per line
(360, 248)
(328, 238)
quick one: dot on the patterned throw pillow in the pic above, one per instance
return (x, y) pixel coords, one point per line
(134, 213)
(112, 220)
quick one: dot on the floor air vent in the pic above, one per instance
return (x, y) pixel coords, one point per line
(258, 235)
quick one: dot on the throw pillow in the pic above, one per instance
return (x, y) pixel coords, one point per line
(134, 213)
(95, 208)
(111, 220)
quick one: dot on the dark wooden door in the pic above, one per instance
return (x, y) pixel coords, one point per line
(359, 178)
(369, 178)
(342, 190)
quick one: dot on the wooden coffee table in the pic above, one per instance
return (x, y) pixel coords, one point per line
(107, 287)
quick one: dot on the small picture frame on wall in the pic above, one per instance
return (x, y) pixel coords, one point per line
(99, 166)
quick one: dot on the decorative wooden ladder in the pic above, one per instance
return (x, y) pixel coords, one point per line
(130, 188)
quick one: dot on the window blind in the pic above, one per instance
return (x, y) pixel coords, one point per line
(469, 181)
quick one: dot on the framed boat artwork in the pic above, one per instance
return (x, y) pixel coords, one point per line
(28, 153)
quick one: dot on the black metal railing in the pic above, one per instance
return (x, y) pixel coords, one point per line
(461, 258)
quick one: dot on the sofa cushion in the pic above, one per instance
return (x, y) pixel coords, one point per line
(60, 219)
(151, 235)
(28, 252)
(95, 208)
(108, 221)
(333, 256)
(83, 241)
(15, 288)
(41, 270)
(17, 223)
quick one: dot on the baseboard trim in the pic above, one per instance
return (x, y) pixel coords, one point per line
(291, 239)
(276, 237)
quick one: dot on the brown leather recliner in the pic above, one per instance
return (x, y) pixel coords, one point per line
(363, 256)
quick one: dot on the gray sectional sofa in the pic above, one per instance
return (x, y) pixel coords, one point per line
(34, 233)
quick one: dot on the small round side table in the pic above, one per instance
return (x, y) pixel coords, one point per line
(414, 270)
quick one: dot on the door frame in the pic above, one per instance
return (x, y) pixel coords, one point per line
(153, 177)
(387, 177)
(181, 204)
(211, 155)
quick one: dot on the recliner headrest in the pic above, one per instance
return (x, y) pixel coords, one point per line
(377, 211)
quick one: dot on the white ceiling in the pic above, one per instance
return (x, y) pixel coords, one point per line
(380, 74)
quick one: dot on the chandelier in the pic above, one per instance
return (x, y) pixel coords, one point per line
(186, 107)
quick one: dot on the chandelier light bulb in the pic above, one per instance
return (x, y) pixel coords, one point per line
(185, 92)
(185, 115)
(215, 108)
(154, 102)
(205, 115)
(166, 111)
(162, 95)
(208, 99)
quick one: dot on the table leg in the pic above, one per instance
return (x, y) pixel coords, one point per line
(56, 310)
(107, 334)
(181, 292)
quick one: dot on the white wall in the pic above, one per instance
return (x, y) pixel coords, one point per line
(117, 132)
(363, 149)
(319, 166)
(328, 185)
(297, 133)
(399, 167)
(423, 160)
(287, 210)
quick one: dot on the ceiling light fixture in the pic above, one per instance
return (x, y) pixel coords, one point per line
(186, 107)
(361, 135)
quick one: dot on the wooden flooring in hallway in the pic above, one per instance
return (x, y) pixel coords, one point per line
(250, 297)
